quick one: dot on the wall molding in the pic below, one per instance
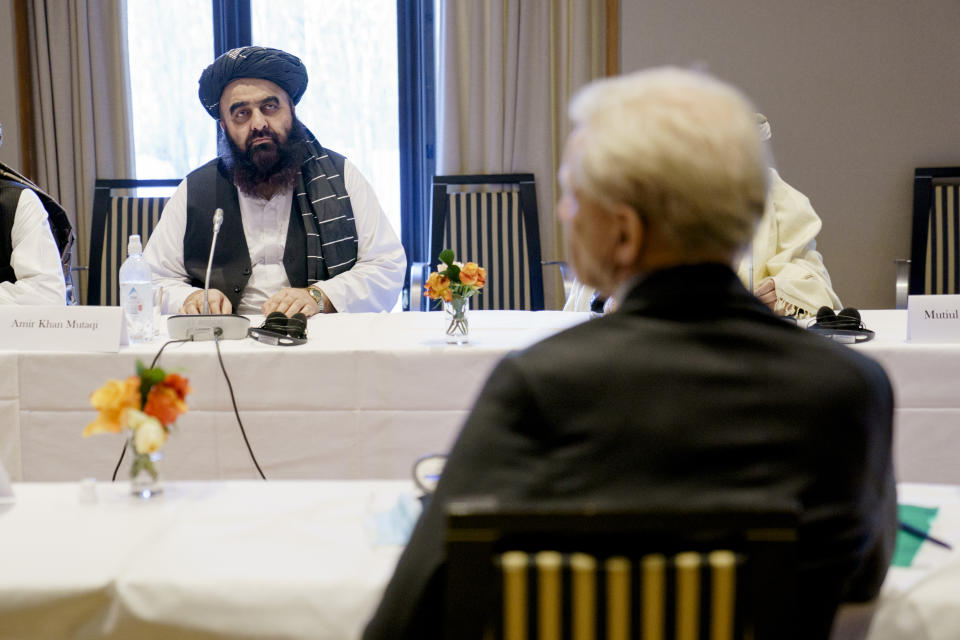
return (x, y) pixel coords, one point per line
(612, 57)
(28, 154)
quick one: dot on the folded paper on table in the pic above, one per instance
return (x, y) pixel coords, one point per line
(394, 526)
(907, 543)
(59, 328)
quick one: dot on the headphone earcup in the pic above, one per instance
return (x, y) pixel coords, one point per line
(825, 315)
(848, 318)
(276, 322)
(297, 326)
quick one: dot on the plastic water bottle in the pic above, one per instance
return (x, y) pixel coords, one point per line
(136, 293)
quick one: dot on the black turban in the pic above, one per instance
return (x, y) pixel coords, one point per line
(274, 65)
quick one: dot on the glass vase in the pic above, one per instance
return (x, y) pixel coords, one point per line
(144, 477)
(456, 317)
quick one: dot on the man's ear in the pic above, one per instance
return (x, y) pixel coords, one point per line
(631, 235)
(222, 126)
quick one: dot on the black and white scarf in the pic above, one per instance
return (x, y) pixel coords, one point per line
(328, 218)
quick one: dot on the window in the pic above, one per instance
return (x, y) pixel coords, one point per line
(168, 51)
(350, 51)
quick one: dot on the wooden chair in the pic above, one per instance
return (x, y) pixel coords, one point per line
(593, 574)
(935, 239)
(114, 218)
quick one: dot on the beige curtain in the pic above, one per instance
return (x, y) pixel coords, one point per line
(507, 69)
(81, 97)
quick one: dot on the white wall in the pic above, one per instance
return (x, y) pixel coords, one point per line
(858, 94)
(9, 115)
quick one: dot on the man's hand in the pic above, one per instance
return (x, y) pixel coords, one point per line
(767, 293)
(219, 303)
(290, 301)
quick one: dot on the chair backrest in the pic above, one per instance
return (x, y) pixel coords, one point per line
(935, 241)
(494, 223)
(114, 218)
(611, 574)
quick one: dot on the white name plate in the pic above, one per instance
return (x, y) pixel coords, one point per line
(933, 318)
(27, 328)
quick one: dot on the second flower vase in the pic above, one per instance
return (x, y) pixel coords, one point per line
(456, 316)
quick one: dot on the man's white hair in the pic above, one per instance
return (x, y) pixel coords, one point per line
(681, 148)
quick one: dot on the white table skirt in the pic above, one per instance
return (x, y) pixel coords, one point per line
(926, 383)
(371, 392)
(363, 398)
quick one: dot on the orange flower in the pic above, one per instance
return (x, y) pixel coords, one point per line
(165, 403)
(481, 278)
(469, 273)
(112, 401)
(178, 383)
(437, 287)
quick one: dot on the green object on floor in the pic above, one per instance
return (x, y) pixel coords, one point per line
(907, 543)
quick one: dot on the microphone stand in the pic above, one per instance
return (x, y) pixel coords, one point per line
(217, 222)
(223, 326)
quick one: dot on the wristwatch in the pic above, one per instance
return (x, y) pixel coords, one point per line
(317, 295)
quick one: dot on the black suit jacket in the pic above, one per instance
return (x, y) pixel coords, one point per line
(691, 392)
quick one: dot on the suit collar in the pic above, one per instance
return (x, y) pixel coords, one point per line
(695, 290)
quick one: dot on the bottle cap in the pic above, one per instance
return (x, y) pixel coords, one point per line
(133, 244)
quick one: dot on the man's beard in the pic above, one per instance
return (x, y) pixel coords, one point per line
(265, 169)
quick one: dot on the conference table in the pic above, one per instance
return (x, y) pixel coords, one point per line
(926, 383)
(363, 398)
(231, 559)
(295, 559)
(370, 393)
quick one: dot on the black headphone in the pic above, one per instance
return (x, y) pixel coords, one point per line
(278, 329)
(845, 326)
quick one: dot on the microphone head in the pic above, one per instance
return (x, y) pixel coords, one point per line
(217, 219)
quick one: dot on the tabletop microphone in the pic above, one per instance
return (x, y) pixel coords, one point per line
(217, 221)
(207, 326)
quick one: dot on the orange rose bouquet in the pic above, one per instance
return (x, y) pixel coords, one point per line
(147, 405)
(454, 283)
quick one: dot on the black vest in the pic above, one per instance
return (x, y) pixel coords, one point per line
(9, 199)
(210, 187)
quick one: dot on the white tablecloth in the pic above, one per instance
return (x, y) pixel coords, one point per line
(922, 602)
(926, 381)
(363, 398)
(283, 559)
(293, 559)
(371, 392)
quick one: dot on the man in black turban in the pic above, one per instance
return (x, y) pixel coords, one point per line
(302, 229)
(252, 62)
